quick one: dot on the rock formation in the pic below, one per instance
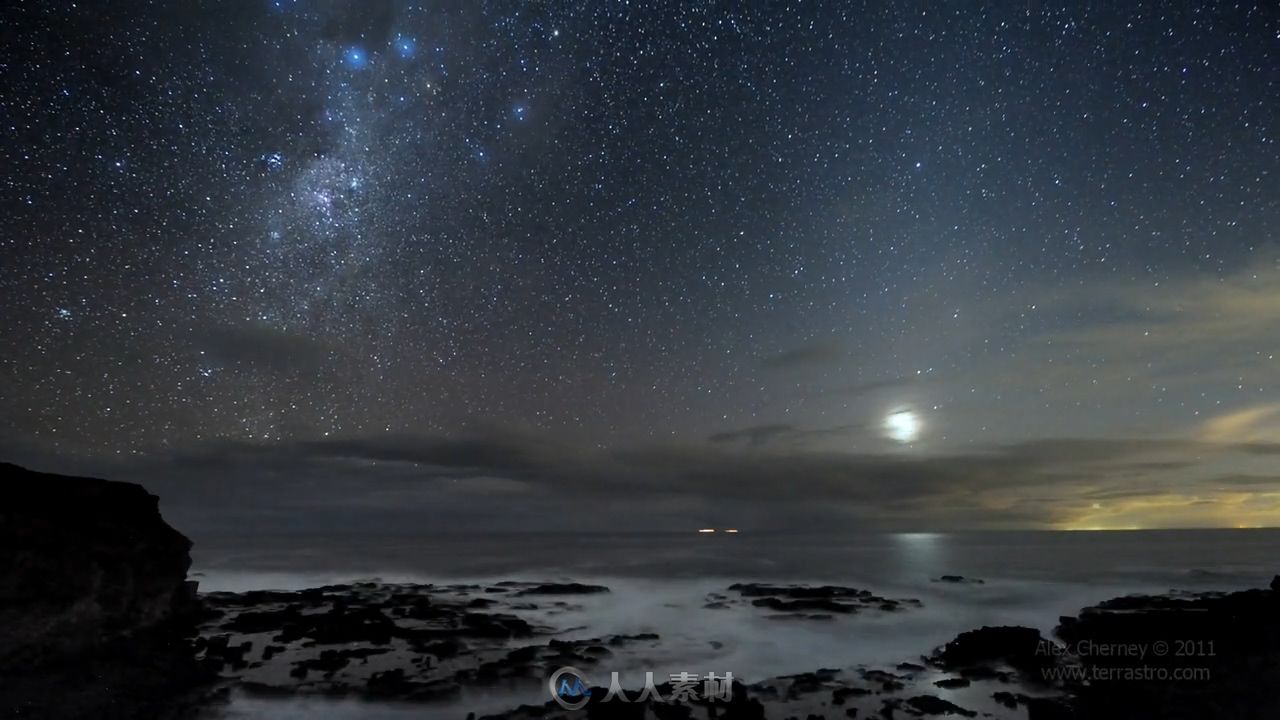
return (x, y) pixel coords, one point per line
(81, 560)
(92, 588)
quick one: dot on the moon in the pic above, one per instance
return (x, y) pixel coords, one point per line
(902, 426)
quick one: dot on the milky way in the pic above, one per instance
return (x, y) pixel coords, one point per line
(620, 224)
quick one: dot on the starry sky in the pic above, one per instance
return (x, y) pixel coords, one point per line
(904, 265)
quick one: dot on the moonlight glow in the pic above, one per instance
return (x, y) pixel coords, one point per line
(902, 426)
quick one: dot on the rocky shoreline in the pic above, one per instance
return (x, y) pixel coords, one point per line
(427, 643)
(101, 622)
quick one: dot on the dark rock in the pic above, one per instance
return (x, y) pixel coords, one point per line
(271, 651)
(888, 681)
(821, 600)
(842, 694)
(806, 683)
(258, 689)
(617, 640)
(930, 705)
(800, 616)
(797, 591)
(389, 683)
(1061, 708)
(252, 621)
(563, 589)
(82, 560)
(804, 605)
(1205, 656)
(1022, 648)
(495, 626)
(340, 626)
(96, 614)
(330, 661)
(1006, 699)
(442, 649)
(959, 580)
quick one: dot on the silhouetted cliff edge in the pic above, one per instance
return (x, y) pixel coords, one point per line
(93, 595)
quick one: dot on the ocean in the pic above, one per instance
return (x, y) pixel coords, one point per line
(659, 584)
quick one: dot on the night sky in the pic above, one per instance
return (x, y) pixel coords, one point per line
(768, 264)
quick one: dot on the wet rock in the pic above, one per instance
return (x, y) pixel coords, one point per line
(441, 649)
(887, 681)
(264, 690)
(806, 683)
(563, 589)
(842, 694)
(523, 654)
(617, 640)
(819, 605)
(815, 602)
(930, 705)
(797, 591)
(258, 621)
(331, 661)
(1022, 648)
(1006, 699)
(495, 626)
(271, 651)
(959, 580)
(1181, 656)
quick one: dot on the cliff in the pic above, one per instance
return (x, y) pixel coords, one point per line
(82, 561)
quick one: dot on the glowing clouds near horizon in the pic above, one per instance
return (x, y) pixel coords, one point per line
(902, 426)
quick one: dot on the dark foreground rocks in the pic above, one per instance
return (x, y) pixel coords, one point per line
(93, 600)
(1182, 657)
(1207, 656)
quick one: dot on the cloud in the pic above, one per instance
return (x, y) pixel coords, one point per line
(759, 436)
(893, 383)
(1195, 329)
(1260, 424)
(822, 353)
(499, 479)
(1271, 482)
(756, 436)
